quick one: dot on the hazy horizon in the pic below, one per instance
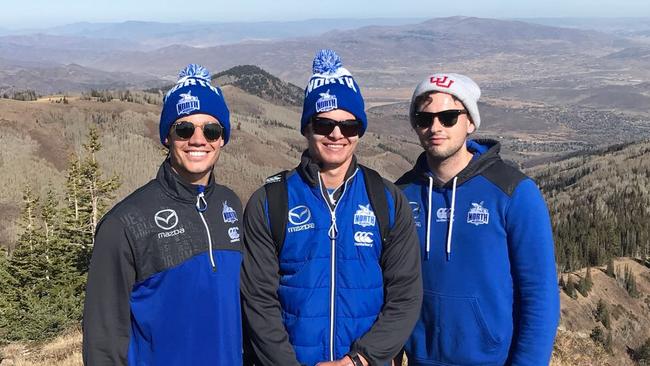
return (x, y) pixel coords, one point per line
(42, 14)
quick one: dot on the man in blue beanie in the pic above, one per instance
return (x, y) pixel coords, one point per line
(488, 268)
(163, 285)
(331, 270)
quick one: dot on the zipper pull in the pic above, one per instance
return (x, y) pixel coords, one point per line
(201, 203)
(333, 232)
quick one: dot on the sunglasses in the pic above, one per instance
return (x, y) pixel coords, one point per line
(447, 118)
(325, 126)
(185, 130)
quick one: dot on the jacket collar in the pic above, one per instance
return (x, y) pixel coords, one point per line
(486, 153)
(309, 169)
(177, 188)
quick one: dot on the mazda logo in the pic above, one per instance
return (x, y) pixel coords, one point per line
(299, 215)
(166, 219)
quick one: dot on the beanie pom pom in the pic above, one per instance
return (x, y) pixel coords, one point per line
(326, 62)
(194, 71)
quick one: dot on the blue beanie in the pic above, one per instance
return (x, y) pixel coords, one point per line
(194, 94)
(332, 87)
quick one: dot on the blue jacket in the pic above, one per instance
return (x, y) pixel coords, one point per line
(163, 285)
(489, 276)
(333, 285)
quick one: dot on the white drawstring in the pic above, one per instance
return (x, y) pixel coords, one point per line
(429, 217)
(201, 206)
(451, 218)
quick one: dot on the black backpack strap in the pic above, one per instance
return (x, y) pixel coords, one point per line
(277, 198)
(377, 195)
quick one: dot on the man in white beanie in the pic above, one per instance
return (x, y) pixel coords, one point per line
(488, 268)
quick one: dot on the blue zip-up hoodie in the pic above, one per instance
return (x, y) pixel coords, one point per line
(489, 276)
(333, 285)
(163, 285)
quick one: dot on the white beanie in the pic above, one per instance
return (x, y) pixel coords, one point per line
(460, 86)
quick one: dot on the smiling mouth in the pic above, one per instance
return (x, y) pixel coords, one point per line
(197, 154)
(334, 147)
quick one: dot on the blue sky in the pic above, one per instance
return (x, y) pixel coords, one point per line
(45, 13)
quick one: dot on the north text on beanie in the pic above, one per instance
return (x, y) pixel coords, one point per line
(192, 94)
(332, 87)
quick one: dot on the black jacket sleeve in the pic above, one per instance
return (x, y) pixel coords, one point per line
(400, 263)
(107, 314)
(260, 279)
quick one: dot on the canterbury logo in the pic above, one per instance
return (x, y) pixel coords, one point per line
(363, 237)
(443, 82)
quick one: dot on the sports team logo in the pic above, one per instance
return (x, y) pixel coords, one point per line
(443, 82)
(478, 215)
(364, 216)
(166, 219)
(363, 239)
(326, 102)
(442, 214)
(229, 215)
(187, 103)
(415, 208)
(233, 233)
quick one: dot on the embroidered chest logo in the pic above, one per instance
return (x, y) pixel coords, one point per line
(228, 213)
(166, 219)
(415, 208)
(364, 216)
(187, 103)
(363, 239)
(442, 214)
(300, 216)
(478, 214)
(326, 102)
(233, 233)
(443, 82)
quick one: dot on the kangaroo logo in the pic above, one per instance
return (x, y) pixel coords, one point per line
(443, 82)
(299, 215)
(166, 219)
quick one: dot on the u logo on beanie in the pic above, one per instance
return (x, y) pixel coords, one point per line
(332, 87)
(192, 94)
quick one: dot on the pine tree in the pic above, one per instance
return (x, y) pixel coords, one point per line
(630, 283)
(589, 283)
(570, 288)
(602, 314)
(610, 268)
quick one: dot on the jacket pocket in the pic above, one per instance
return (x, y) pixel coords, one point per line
(452, 330)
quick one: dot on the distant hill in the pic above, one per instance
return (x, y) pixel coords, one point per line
(254, 80)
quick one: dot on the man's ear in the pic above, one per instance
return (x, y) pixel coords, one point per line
(221, 142)
(471, 127)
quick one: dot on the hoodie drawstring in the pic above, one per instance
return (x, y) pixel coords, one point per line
(201, 206)
(451, 218)
(429, 218)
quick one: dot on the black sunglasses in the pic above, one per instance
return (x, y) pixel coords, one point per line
(325, 126)
(447, 118)
(185, 130)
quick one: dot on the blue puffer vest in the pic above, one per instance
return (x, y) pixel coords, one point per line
(331, 284)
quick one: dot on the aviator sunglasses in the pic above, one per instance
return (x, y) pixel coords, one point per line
(325, 126)
(185, 130)
(447, 118)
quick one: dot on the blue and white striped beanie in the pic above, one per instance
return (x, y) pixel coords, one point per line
(332, 87)
(192, 94)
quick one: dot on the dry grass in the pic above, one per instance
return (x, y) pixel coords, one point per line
(64, 350)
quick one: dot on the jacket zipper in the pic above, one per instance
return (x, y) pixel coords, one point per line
(201, 206)
(333, 234)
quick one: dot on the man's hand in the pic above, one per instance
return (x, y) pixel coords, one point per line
(345, 361)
